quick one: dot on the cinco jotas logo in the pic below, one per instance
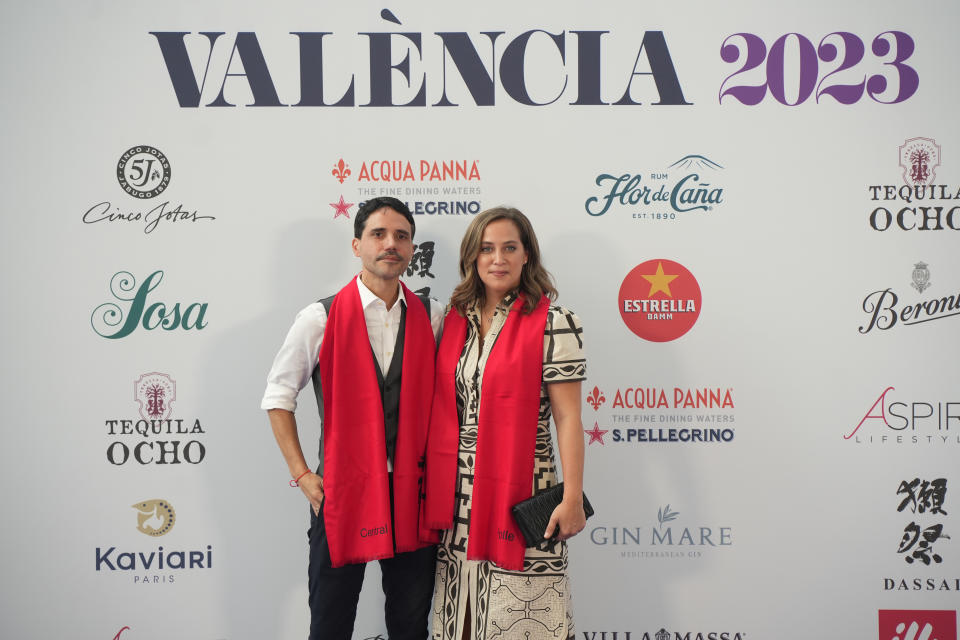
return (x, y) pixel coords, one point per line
(155, 517)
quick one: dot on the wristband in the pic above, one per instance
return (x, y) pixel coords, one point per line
(296, 482)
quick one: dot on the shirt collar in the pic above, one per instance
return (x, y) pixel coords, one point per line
(367, 297)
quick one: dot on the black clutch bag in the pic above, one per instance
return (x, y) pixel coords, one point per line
(533, 514)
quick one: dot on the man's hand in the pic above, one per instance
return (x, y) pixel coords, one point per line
(312, 486)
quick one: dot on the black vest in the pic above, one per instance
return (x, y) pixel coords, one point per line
(389, 384)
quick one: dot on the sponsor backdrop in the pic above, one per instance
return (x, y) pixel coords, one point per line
(755, 213)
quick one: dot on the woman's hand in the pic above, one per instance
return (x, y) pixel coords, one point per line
(569, 517)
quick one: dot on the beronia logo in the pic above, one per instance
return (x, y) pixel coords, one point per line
(659, 300)
(902, 624)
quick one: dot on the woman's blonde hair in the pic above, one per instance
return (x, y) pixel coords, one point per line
(535, 281)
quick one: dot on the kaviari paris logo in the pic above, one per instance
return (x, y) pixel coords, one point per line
(110, 320)
(160, 565)
(155, 517)
(659, 300)
(687, 185)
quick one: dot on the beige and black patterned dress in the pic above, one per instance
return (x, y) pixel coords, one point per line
(529, 604)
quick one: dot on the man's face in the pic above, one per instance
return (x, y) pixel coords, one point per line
(386, 245)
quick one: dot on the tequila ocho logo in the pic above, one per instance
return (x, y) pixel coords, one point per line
(920, 203)
(155, 517)
(659, 300)
(686, 185)
(155, 438)
(109, 320)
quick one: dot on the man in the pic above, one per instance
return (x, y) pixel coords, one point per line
(358, 346)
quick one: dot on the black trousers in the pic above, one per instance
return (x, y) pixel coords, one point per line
(407, 585)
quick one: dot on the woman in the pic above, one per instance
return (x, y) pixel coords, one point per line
(506, 362)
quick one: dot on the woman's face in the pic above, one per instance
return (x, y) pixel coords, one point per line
(501, 258)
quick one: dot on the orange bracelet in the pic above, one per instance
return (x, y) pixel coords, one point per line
(296, 482)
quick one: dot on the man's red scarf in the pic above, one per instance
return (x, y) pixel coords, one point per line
(507, 435)
(356, 508)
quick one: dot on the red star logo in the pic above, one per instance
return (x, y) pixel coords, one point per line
(343, 208)
(596, 434)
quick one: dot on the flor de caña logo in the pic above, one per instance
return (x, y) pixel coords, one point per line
(659, 300)
(129, 310)
(143, 172)
(685, 186)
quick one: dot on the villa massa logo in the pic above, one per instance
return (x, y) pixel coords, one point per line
(143, 171)
(901, 624)
(155, 393)
(919, 159)
(155, 517)
(659, 300)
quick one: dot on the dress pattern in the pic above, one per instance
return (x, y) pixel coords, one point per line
(529, 604)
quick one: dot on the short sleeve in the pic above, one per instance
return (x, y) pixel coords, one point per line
(563, 358)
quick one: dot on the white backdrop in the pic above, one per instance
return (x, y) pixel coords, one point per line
(788, 530)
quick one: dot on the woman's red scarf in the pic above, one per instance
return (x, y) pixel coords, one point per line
(356, 508)
(507, 434)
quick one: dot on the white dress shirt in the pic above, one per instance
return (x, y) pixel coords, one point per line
(294, 364)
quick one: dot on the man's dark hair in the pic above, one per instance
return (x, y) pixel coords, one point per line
(375, 204)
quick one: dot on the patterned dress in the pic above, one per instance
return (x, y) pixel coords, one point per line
(529, 604)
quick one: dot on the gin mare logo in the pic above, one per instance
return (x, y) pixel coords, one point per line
(110, 320)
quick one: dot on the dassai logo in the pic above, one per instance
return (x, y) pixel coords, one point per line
(659, 300)
(689, 184)
(109, 320)
(155, 517)
(901, 624)
(155, 438)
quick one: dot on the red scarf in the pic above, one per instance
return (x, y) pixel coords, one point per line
(507, 434)
(356, 509)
